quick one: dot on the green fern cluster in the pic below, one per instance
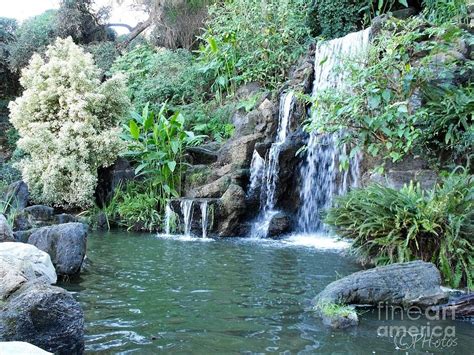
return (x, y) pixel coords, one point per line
(390, 226)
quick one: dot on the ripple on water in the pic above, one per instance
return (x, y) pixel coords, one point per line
(146, 294)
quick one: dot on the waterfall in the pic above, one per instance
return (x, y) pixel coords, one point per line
(270, 169)
(204, 218)
(187, 210)
(257, 168)
(168, 213)
(320, 176)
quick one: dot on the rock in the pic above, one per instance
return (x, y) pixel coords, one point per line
(196, 176)
(214, 189)
(461, 307)
(19, 348)
(203, 154)
(20, 263)
(238, 152)
(6, 233)
(233, 208)
(415, 283)
(43, 315)
(280, 223)
(286, 195)
(33, 216)
(337, 316)
(22, 236)
(110, 178)
(65, 243)
(247, 90)
(64, 218)
(17, 195)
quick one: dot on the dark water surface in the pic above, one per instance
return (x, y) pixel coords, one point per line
(143, 294)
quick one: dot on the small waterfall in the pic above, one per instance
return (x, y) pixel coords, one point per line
(321, 179)
(257, 169)
(168, 213)
(204, 218)
(187, 210)
(270, 170)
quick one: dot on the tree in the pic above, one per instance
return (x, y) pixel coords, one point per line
(68, 124)
(78, 19)
(32, 36)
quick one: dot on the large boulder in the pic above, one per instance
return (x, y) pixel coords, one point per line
(43, 315)
(233, 208)
(461, 307)
(65, 243)
(20, 263)
(17, 195)
(416, 283)
(238, 152)
(20, 347)
(6, 233)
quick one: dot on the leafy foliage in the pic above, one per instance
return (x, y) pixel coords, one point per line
(394, 107)
(441, 11)
(104, 53)
(333, 19)
(252, 41)
(156, 143)
(396, 226)
(68, 124)
(159, 76)
(33, 36)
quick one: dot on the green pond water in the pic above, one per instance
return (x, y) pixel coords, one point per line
(144, 294)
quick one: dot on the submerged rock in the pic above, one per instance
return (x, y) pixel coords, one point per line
(416, 283)
(65, 243)
(6, 233)
(46, 316)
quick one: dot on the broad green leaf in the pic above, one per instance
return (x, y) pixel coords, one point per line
(134, 130)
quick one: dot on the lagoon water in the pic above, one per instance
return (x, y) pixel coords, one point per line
(145, 294)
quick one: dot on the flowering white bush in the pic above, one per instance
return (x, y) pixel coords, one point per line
(68, 124)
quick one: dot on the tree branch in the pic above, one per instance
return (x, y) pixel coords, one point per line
(139, 28)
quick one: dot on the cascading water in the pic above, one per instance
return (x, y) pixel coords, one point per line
(270, 169)
(320, 176)
(168, 213)
(204, 218)
(187, 210)
(257, 169)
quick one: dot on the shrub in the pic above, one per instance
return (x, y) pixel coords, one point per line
(34, 35)
(390, 226)
(67, 121)
(253, 41)
(159, 76)
(136, 207)
(440, 11)
(104, 53)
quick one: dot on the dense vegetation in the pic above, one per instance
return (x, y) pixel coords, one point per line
(390, 226)
(413, 94)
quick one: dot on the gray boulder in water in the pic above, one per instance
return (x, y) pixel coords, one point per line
(65, 243)
(416, 283)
